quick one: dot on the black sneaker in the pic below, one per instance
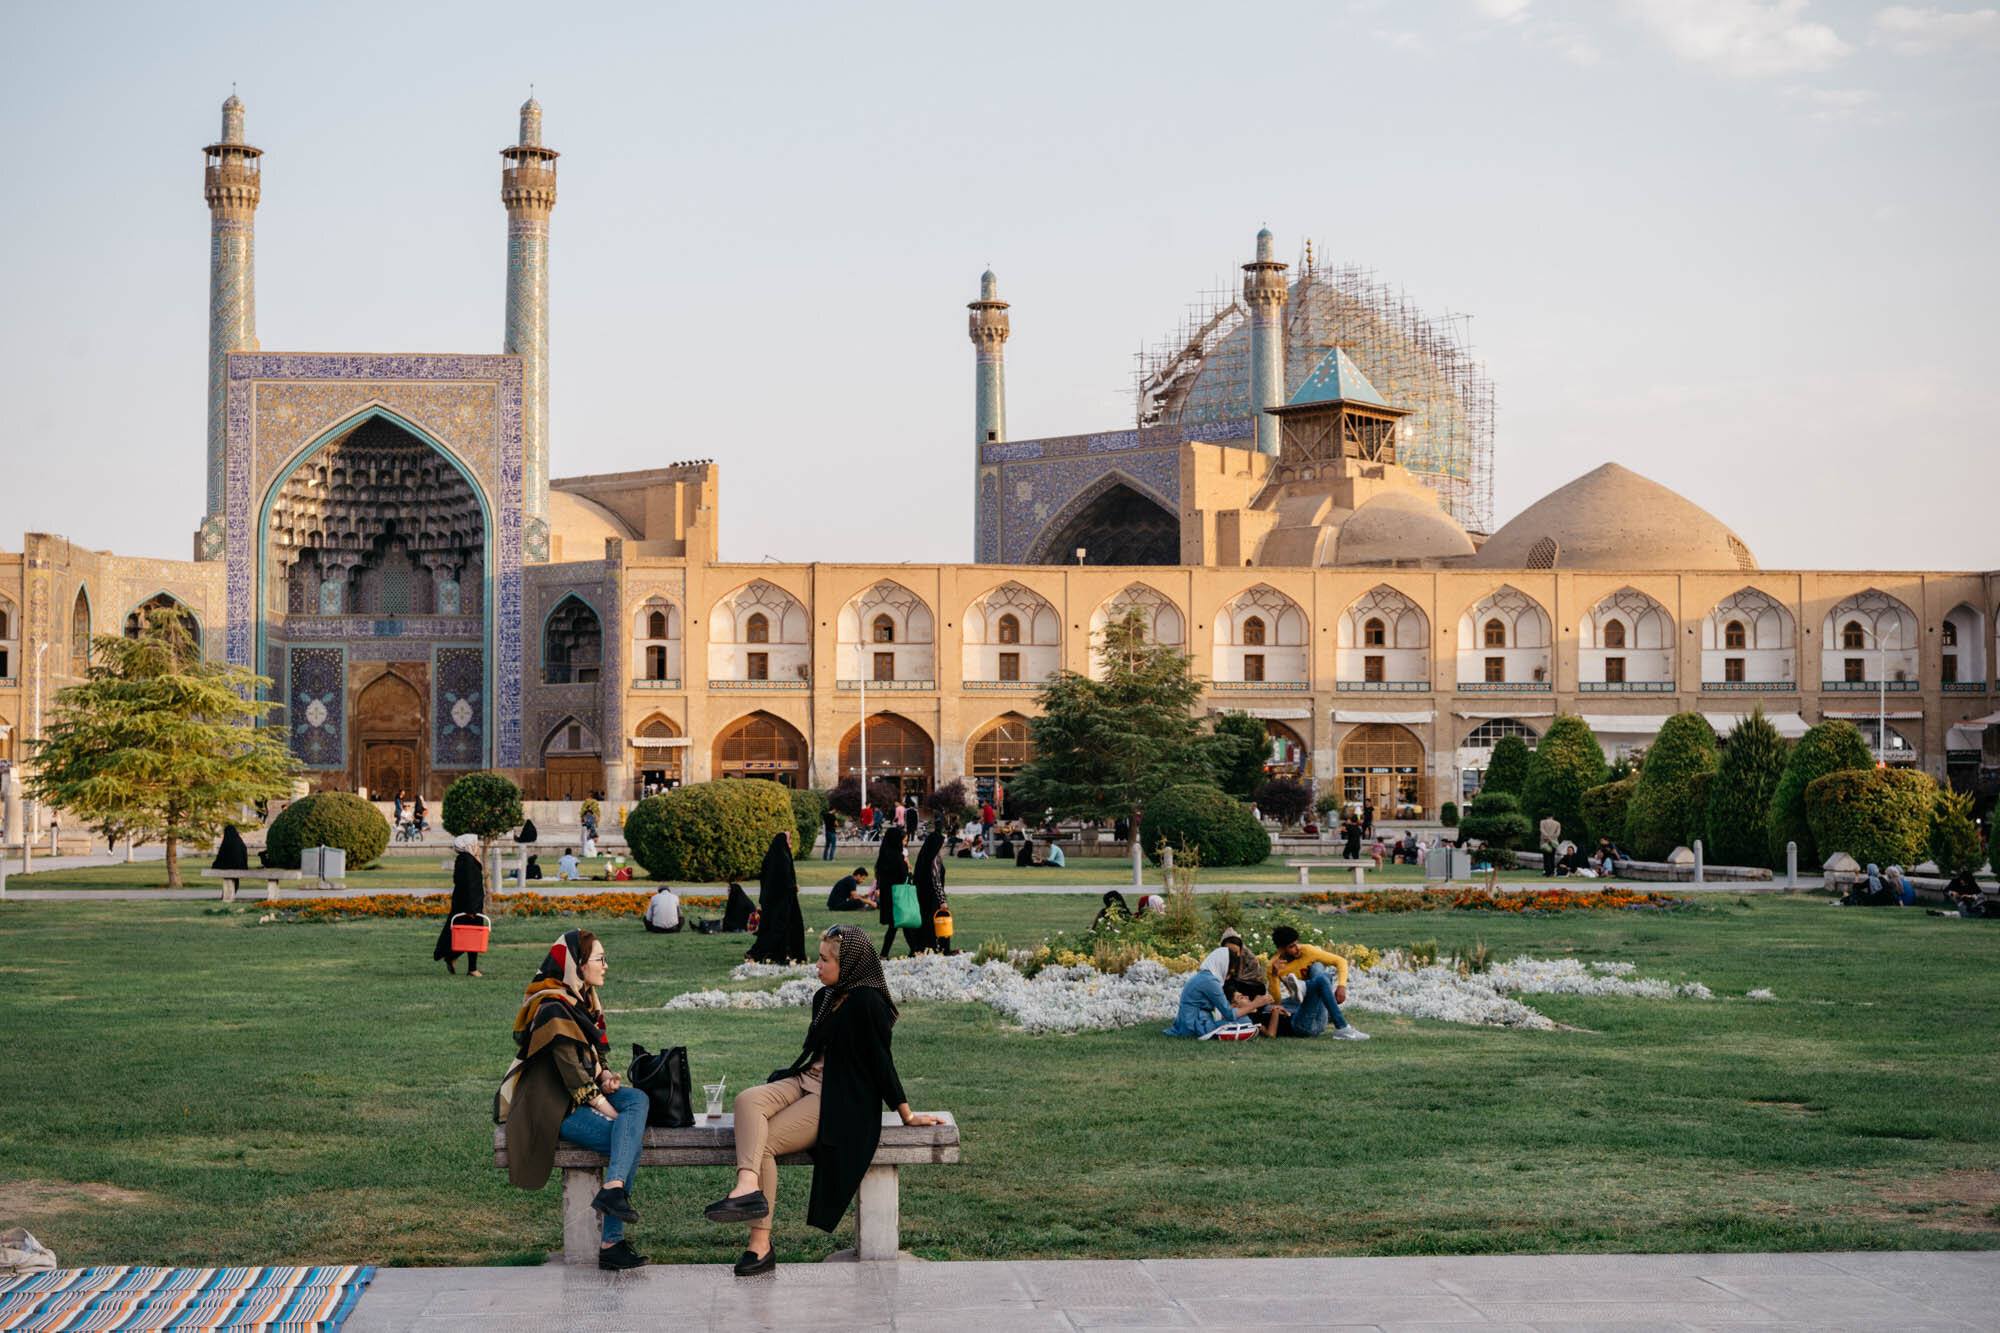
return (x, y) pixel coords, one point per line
(616, 1202)
(617, 1258)
(749, 1207)
(749, 1265)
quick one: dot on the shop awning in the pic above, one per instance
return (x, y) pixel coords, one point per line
(1271, 714)
(1964, 737)
(1625, 724)
(1869, 714)
(1405, 719)
(660, 742)
(1990, 720)
(1519, 712)
(1790, 725)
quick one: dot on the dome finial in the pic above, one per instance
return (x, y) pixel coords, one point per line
(232, 117)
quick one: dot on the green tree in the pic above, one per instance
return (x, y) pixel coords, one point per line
(1208, 820)
(1495, 819)
(157, 744)
(1285, 800)
(1954, 841)
(1827, 748)
(1567, 763)
(1103, 748)
(1241, 771)
(1604, 808)
(808, 808)
(1665, 812)
(1879, 815)
(486, 805)
(1739, 799)
(1508, 769)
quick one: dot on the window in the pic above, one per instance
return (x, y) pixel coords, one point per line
(1496, 633)
(1010, 666)
(3, 664)
(656, 663)
(1856, 669)
(1253, 666)
(1852, 636)
(1614, 634)
(885, 630)
(1732, 669)
(1374, 634)
(885, 666)
(1253, 632)
(758, 667)
(1496, 669)
(1732, 635)
(1950, 633)
(1614, 671)
(3, 624)
(1950, 669)
(757, 629)
(1372, 667)
(573, 738)
(656, 625)
(1010, 629)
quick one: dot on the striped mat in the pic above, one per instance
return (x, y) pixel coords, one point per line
(186, 1300)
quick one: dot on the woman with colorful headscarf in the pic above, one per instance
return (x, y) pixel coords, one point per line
(468, 898)
(892, 867)
(559, 1087)
(781, 928)
(830, 1100)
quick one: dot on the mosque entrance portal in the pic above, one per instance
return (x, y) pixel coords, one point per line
(1119, 527)
(389, 723)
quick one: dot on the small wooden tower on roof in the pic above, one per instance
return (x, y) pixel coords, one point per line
(1337, 414)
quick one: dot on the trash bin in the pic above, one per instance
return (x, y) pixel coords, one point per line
(323, 863)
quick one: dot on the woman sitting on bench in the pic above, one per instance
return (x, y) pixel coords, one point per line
(840, 1083)
(559, 1087)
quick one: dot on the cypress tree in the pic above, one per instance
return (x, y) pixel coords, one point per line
(1739, 800)
(1827, 748)
(1567, 763)
(1508, 770)
(1664, 813)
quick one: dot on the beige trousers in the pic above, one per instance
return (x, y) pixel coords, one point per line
(773, 1119)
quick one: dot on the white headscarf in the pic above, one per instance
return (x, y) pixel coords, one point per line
(466, 842)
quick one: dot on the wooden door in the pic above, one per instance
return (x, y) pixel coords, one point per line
(572, 778)
(389, 767)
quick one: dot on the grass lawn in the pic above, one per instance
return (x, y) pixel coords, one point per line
(189, 1087)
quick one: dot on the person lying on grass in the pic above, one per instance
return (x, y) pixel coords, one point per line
(830, 1099)
(1304, 969)
(559, 1087)
(1227, 986)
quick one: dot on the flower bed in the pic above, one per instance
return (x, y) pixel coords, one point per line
(1529, 901)
(300, 910)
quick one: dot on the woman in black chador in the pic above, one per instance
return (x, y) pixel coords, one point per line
(891, 868)
(468, 898)
(781, 929)
(929, 879)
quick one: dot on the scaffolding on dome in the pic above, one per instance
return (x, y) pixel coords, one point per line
(1417, 361)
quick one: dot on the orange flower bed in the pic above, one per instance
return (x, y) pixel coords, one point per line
(390, 905)
(1536, 901)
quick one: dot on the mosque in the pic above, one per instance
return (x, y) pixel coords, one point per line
(1301, 505)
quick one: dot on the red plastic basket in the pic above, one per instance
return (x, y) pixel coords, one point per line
(468, 938)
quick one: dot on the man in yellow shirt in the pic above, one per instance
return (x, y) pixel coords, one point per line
(1306, 967)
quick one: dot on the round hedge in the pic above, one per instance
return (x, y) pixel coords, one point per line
(1198, 815)
(1495, 819)
(1831, 747)
(328, 819)
(808, 808)
(1878, 815)
(709, 831)
(486, 805)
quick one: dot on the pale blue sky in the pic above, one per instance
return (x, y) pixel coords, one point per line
(1746, 248)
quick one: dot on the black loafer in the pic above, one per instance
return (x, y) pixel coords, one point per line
(616, 1203)
(749, 1207)
(749, 1265)
(617, 1258)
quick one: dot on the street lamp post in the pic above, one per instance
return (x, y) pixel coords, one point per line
(28, 806)
(1882, 693)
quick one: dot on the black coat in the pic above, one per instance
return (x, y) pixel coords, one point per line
(858, 1081)
(781, 927)
(468, 895)
(892, 867)
(929, 879)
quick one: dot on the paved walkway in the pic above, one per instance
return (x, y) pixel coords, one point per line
(1903, 1292)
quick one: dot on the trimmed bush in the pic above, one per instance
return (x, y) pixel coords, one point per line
(1328, 802)
(1508, 769)
(1604, 809)
(1240, 766)
(807, 808)
(1878, 815)
(845, 796)
(1285, 800)
(1496, 820)
(1198, 815)
(709, 831)
(1448, 814)
(1953, 841)
(486, 805)
(950, 799)
(1563, 766)
(1828, 748)
(1739, 800)
(328, 819)
(1664, 812)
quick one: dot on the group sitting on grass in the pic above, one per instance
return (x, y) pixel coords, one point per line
(1297, 994)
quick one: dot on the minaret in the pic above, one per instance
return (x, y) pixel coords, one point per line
(1264, 293)
(528, 189)
(232, 184)
(988, 326)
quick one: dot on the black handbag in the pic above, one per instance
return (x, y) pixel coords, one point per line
(665, 1080)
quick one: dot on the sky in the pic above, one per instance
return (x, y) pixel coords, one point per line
(1744, 247)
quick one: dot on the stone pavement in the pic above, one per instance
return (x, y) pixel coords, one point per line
(1908, 1292)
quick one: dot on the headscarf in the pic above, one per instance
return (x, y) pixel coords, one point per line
(778, 871)
(1874, 878)
(860, 969)
(926, 870)
(891, 865)
(557, 1005)
(1114, 909)
(528, 833)
(466, 842)
(232, 854)
(736, 914)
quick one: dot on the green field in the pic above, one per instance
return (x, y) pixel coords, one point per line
(187, 1086)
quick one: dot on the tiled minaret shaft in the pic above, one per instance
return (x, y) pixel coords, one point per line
(1264, 294)
(528, 189)
(988, 326)
(232, 185)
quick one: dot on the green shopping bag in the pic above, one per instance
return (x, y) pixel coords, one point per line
(903, 911)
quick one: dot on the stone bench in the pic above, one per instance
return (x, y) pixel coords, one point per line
(271, 878)
(1305, 869)
(877, 1230)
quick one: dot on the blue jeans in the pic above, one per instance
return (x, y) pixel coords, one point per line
(1201, 997)
(619, 1139)
(829, 846)
(1310, 1015)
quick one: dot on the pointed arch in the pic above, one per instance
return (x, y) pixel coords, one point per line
(79, 632)
(759, 632)
(1010, 633)
(136, 618)
(1962, 651)
(884, 633)
(656, 643)
(1382, 644)
(1117, 520)
(572, 642)
(1625, 642)
(761, 745)
(1749, 644)
(901, 752)
(1503, 643)
(1164, 623)
(1867, 638)
(1261, 639)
